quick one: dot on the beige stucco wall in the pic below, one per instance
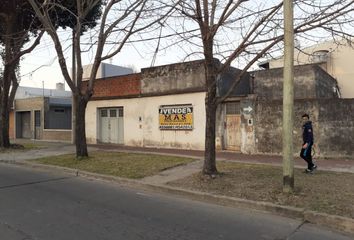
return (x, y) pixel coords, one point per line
(29, 105)
(339, 64)
(147, 133)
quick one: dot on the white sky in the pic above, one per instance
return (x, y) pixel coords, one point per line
(49, 73)
(41, 66)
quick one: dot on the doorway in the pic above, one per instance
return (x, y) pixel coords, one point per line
(111, 125)
(233, 126)
(23, 125)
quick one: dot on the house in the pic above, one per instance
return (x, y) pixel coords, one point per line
(43, 114)
(316, 93)
(106, 70)
(164, 107)
(160, 107)
(335, 57)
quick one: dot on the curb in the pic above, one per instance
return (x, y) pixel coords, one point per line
(334, 222)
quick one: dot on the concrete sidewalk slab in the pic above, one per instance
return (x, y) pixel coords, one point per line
(174, 174)
(45, 149)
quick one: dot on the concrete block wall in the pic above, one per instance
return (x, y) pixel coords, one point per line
(174, 78)
(336, 127)
(325, 84)
(333, 126)
(310, 81)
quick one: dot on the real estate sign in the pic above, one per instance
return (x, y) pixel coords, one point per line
(176, 117)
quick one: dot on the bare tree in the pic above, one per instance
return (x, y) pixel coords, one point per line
(242, 32)
(17, 26)
(120, 21)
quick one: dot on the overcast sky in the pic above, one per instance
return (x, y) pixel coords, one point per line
(41, 66)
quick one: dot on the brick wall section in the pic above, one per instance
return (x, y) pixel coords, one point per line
(119, 86)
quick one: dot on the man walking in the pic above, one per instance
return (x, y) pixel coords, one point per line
(307, 137)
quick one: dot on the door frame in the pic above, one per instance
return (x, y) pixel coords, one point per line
(120, 119)
(19, 123)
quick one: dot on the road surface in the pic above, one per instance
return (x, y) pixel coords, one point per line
(40, 205)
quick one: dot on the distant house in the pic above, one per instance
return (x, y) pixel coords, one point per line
(106, 70)
(43, 114)
(30, 92)
(336, 58)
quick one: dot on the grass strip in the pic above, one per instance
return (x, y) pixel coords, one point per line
(127, 165)
(323, 191)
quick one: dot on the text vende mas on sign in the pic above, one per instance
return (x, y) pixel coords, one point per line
(176, 117)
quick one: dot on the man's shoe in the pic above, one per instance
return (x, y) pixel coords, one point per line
(308, 171)
(314, 167)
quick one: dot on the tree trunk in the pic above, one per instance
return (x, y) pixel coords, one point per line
(80, 130)
(4, 108)
(8, 74)
(209, 167)
(4, 124)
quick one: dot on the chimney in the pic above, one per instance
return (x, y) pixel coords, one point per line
(60, 86)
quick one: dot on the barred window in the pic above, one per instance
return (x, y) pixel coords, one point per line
(113, 113)
(120, 112)
(104, 113)
(233, 108)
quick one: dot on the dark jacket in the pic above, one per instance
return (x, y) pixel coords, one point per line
(307, 133)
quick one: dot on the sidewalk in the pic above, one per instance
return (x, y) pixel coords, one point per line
(59, 148)
(338, 165)
(44, 149)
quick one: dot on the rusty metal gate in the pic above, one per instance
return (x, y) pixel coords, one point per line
(233, 126)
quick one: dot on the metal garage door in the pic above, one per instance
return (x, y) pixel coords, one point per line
(111, 127)
(23, 125)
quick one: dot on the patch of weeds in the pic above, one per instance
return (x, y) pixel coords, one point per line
(328, 192)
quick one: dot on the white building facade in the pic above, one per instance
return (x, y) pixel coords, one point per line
(137, 121)
(161, 107)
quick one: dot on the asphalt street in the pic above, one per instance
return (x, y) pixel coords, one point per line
(36, 204)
